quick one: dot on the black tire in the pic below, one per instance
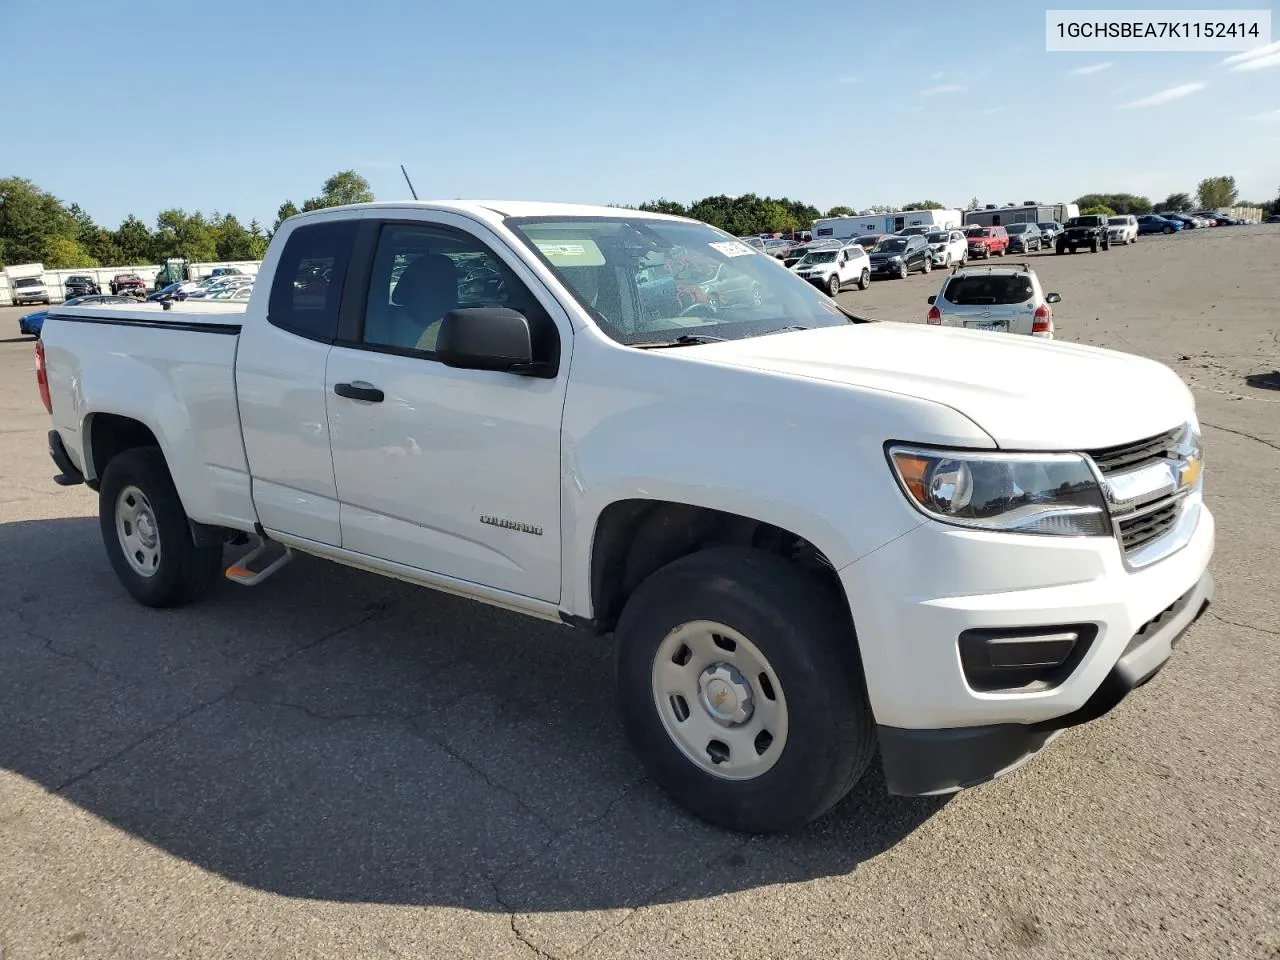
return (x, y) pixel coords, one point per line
(833, 284)
(903, 270)
(185, 571)
(928, 265)
(1167, 230)
(800, 625)
(1106, 243)
(864, 279)
(1093, 246)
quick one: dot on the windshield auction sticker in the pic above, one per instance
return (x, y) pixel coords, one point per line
(731, 248)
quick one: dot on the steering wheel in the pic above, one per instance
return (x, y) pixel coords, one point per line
(708, 307)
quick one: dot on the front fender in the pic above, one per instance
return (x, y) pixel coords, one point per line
(800, 454)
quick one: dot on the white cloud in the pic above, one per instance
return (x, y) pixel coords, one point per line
(942, 88)
(990, 110)
(1164, 96)
(1259, 58)
(1092, 68)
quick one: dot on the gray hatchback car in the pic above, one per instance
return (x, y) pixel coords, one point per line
(1004, 299)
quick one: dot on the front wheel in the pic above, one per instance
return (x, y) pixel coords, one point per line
(1093, 246)
(864, 279)
(833, 284)
(928, 265)
(146, 533)
(903, 270)
(741, 689)
(1167, 230)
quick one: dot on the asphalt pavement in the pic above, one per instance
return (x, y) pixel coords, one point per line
(338, 765)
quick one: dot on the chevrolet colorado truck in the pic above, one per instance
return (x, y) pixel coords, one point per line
(812, 537)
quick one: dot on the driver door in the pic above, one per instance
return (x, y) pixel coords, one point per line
(451, 471)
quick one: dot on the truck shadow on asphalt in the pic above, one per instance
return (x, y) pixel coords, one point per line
(336, 735)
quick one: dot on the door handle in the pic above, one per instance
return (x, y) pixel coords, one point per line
(359, 390)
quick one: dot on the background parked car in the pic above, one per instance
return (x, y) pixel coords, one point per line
(32, 323)
(1087, 230)
(127, 281)
(984, 242)
(80, 285)
(1024, 237)
(948, 246)
(1123, 228)
(835, 266)
(1050, 230)
(1188, 222)
(28, 290)
(868, 240)
(1002, 299)
(896, 256)
(1152, 223)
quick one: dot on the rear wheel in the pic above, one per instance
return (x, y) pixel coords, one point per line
(741, 689)
(146, 532)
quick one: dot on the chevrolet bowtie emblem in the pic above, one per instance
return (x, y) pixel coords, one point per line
(1189, 473)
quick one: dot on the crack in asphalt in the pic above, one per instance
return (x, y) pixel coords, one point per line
(50, 647)
(204, 704)
(1241, 433)
(1243, 626)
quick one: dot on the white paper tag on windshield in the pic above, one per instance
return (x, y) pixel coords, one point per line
(731, 248)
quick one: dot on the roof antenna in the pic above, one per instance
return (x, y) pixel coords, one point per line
(409, 182)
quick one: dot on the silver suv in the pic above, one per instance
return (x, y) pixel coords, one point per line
(1005, 299)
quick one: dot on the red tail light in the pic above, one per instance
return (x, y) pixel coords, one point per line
(935, 316)
(42, 377)
(1041, 322)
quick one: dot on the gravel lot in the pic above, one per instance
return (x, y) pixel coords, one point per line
(337, 765)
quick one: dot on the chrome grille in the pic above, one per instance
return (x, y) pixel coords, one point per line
(1130, 456)
(1137, 531)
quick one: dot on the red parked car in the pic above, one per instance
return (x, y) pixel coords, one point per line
(984, 242)
(127, 282)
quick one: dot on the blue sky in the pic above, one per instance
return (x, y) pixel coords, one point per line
(843, 103)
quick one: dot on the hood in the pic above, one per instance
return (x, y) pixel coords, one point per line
(881, 257)
(1027, 393)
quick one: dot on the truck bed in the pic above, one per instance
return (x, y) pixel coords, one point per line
(173, 371)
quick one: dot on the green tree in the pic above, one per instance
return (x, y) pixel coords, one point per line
(343, 187)
(231, 240)
(663, 205)
(135, 242)
(840, 212)
(1215, 192)
(972, 204)
(287, 210)
(923, 205)
(29, 218)
(1118, 202)
(1099, 208)
(257, 241)
(1174, 203)
(186, 235)
(63, 252)
(102, 246)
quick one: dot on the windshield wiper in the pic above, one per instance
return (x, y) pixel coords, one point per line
(684, 340)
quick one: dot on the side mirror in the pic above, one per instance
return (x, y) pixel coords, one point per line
(933, 298)
(488, 338)
(1052, 298)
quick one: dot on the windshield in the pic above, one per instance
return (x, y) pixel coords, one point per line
(647, 280)
(868, 241)
(891, 245)
(1090, 221)
(28, 282)
(938, 236)
(978, 232)
(988, 289)
(912, 231)
(819, 256)
(1046, 226)
(1117, 221)
(1016, 228)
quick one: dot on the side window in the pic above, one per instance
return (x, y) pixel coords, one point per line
(421, 272)
(307, 288)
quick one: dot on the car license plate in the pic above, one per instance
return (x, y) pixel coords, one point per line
(1000, 325)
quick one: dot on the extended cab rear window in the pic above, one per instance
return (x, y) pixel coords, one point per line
(988, 289)
(307, 288)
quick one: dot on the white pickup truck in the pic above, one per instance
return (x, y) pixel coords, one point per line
(811, 536)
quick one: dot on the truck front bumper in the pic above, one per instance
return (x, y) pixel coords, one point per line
(912, 599)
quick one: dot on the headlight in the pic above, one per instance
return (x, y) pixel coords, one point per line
(1051, 494)
(895, 259)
